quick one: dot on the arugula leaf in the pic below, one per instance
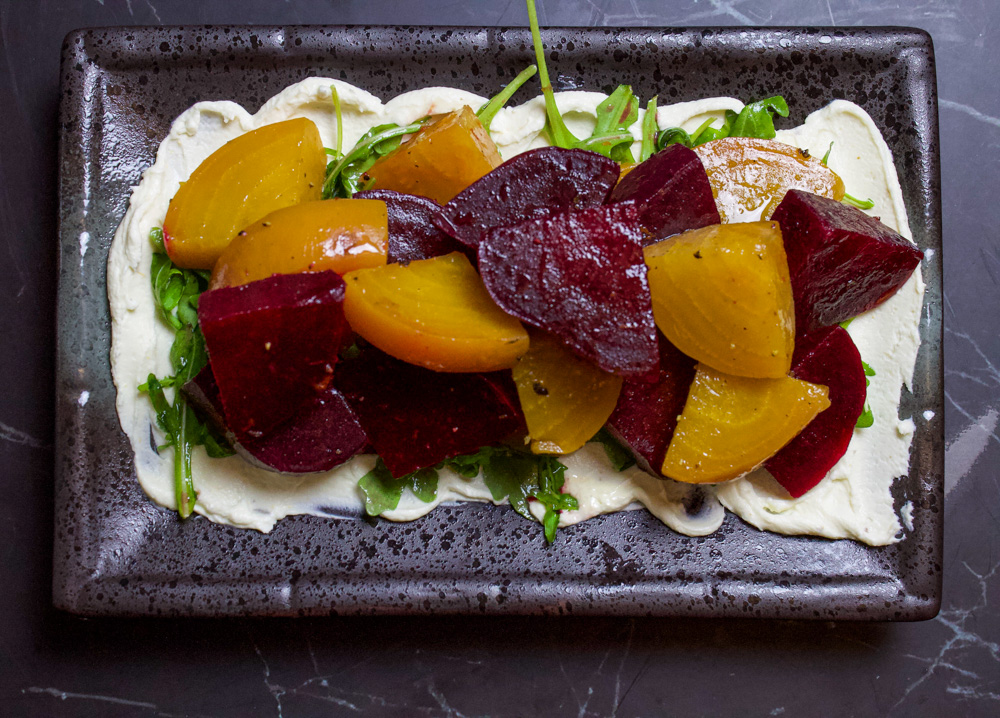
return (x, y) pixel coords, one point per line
(383, 492)
(867, 418)
(487, 112)
(754, 120)
(175, 293)
(615, 115)
(344, 176)
(757, 118)
(620, 457)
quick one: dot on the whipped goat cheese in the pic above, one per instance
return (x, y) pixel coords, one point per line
(853, 501)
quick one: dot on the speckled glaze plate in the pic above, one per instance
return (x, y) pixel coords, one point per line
(116, 553)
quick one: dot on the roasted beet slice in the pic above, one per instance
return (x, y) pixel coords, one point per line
(580, 275)
(416, 417)
(322, 435)
(412, 233)
(529, 185)
(828, 357)
(273, 344)
(842, 262)
(672, 192)
(646, 415)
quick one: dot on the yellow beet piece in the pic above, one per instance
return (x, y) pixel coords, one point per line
(246, 179)
(435, 313)
(440, 160)
(722, 295)
(565, 399)
(747, 173)
(732, 424)
(337, 234)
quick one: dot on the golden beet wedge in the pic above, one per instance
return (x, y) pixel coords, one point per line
(722, 295)
(732, 424)
(337, 234)
(435, 313)
(269, 168)
(747, 174)
(440, 160)
(565, 399)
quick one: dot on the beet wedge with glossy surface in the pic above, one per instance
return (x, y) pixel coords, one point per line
(580, 275)
(415, 417)
(529, 185)
(412, 232)
(672, 192)
(321, 435)
(842, 262)
(273, 344)
(828, 357)
(646, 414)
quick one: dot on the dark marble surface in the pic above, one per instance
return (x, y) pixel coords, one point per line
(55, 664)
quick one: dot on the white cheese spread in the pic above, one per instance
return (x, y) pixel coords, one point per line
(853, 501)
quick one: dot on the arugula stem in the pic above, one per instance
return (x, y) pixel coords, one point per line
(859, 203)
(648, 132)
(701, 128)
(561, 136)
(488, 111)
(340, 119)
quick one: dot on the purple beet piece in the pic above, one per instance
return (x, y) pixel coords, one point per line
(273, 344)
(527, 186)
(416, 417)
(580, 275)
(648, 406)
(828, 357)
(322, 435)
(672, 191)
(412, 233)
(842, 262)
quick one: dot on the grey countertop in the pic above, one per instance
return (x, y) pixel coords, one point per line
(57, 664)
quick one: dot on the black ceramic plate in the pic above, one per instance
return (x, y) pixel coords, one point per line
(117, 553)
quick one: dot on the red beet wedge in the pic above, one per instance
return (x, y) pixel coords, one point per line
(842, 262)
(273, 345)
(648, 406)
(828, 357)
(672, 192)
(529, 185)
(322, 435)
(412, 234)
(416, 417)
(580, 275)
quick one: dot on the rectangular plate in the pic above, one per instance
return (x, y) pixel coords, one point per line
(117, 553)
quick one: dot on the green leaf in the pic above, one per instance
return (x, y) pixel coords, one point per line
(512, 476)
(156, 238)
(344, 176)
(620, 457)
(615, 116)
(757, 118)
(488, 111)
(866, 419)
(868, 370)
(383, 492)
(673, 136)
